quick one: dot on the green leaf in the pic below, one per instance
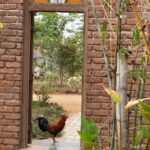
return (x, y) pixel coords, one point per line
(145, 114)
(123, 52)
(143, 132)
(90, 131)
(145, 107)
(136, 36)
(145, 110)
(114, 95)
(104, 30)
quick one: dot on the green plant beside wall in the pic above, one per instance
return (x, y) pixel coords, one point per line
(89, 134)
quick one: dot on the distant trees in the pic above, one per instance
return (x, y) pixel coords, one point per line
(60, 45)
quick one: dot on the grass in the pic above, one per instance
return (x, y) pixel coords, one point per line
(51, 111)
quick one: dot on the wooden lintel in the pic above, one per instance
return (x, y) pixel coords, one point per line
(57, 7)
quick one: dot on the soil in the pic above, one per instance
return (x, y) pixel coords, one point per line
(70, 102)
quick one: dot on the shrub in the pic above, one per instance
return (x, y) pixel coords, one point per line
(89, 134)
(42, 92)
(75, 84)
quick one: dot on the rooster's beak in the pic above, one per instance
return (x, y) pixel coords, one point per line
(36, 119)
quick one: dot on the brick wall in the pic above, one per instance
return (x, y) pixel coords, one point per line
(98, 103)
(11, 49)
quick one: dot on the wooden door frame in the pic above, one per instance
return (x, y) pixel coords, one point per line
(29, 9)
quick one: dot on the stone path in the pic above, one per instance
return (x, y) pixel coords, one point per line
(69, 141)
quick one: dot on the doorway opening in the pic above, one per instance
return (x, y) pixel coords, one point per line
(57, 69)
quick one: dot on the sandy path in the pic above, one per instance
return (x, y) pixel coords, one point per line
(70, 102)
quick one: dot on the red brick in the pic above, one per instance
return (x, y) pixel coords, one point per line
(10, 19)
(1, 102)
(6, 109)
(6, 147)
(11, 128)
(11, 141)
(8, 45)
(7, 70)
(5, 83)
(98, 60)
(9, 6)
(12, 90)
(93, 106)
(15, 12)
(1, 76)
(14, 39)
(8, 32)
(12, 102)
(15, 26)
(2, 39)
(2, 64)
(94, 66)
(6, 122)
(15, 52)
(95, 54)
(100, 112)
(15, 1)
(9, 135)
(13, 77)
(12, 116)
(13, 64)
(6, 96)
(8, 58)
(2, 51)
(93, 93)
(99, 73)
(93, 80)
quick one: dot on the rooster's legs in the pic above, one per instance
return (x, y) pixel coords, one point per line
(53, 137)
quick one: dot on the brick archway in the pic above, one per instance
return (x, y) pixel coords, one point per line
(26, 124)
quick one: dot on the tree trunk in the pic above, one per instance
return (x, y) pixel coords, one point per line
(121, 113)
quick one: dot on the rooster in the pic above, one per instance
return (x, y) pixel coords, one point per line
(53, 129)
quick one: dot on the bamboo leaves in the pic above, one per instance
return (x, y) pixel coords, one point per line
(136, 37)
(124, 52)
(114, 95)
(89, 134)
(145, 110)
(143, 132)
(104, 31)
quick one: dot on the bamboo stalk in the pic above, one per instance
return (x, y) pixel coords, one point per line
(141, 28)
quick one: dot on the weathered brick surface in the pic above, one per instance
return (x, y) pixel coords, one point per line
(98, 103)
(11, 50)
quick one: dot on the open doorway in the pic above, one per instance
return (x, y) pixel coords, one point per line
(57, 68)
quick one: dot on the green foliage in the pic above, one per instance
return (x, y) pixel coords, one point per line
(89, 134)
(42, 91)
(63, 54)
(52, 78)
(104, 31)
(139, 73)
(136, 37)
(75, 84)
(124, 52)
(144, 132)
(66, 57)
(123, 7)
(145, 110)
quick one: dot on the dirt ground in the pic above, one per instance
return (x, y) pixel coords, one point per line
(70, 102)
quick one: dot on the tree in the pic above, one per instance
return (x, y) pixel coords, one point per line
(61, 52)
